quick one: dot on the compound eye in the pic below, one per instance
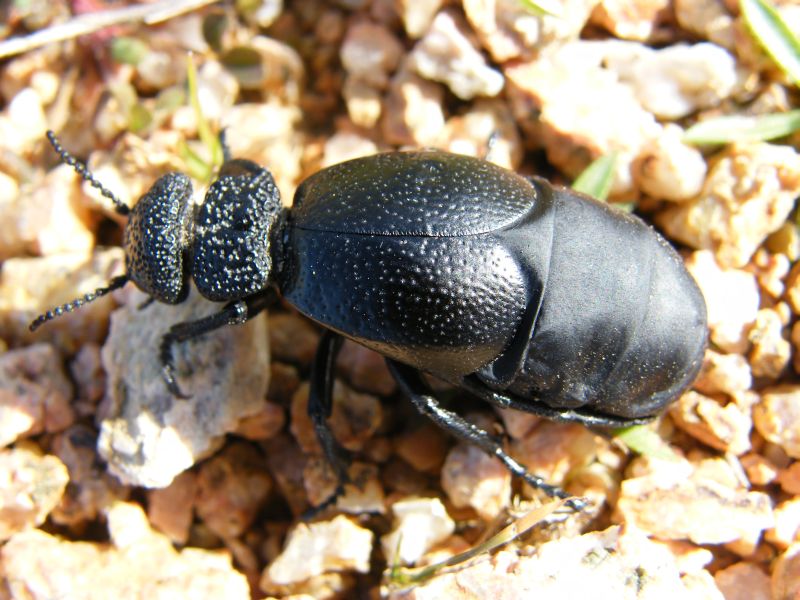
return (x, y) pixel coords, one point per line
(157, 236)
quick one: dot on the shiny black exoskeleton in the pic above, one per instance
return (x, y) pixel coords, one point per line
(526, 295)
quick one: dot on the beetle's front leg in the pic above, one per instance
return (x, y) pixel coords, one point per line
(412, 385)
(234, 313)
(320, 405)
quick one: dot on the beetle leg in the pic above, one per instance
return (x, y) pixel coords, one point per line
(412, 385)
(320, 405)
(233, 313)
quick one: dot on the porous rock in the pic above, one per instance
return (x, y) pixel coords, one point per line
(147, 435)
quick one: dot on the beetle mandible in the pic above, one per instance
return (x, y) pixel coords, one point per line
(526, 295)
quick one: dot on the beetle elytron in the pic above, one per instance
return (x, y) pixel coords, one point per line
(527, 296)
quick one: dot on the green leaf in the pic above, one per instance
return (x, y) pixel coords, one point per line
(597, 179)
(734, 128)
(128, 50)
(643, 440)
(543, 7)
(774, 35)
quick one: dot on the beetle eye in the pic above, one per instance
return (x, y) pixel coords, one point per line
(156, 236)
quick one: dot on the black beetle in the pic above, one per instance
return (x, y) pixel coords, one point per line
(525, 295)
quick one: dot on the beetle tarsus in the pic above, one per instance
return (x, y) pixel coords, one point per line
(413, 387)
(320, 406)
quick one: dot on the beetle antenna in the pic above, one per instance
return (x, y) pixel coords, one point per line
(119, 206)
(114, 284)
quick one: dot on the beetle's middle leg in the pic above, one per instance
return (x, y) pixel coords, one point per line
(412, 385)
(233, 313)
(320, 406)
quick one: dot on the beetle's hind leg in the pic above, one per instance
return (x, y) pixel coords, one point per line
(320, 405)
(233, 313)
(411, 384)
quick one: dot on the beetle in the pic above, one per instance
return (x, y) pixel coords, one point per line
(525, 295)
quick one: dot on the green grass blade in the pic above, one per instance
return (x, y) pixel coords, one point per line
(542, 8)
(734, 128)
(774, 35)
(643, 440)
(208, 137)
(597, 179)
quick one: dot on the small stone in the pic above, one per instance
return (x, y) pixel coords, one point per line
(689, 558)
(548, 97)
(760, 470)
(363, 102)
(777, 417)
(292, 338)
(413, 112)
(365, 369)
(509, 30)
(423, 447)
(771, 352)
(675, 81)
(137, 559)
(31, 286)
(631, 20)
(743, 581)
(31, 485)
(487, 131)
(772, 270)
(87, 372)
(473, 478)
(447, 54)
(789, 478)
(35, 393)
(417, 15)
(518, 424)
(264, 424)
(315, 548)
(787, 524)
(354, 419)
(554, 451)
(786, 574)
(792, 290)
(608, 564)
(266, 12)
(419, 524)
(266, 132)
(364, 493)
(678, 500)
(49, 216)
(286, 463)
(732, 299)
(283, 383)
(748, 194)
(345, 145)
(147, 435)
(171, 509)
(91, 489)
(231, 489)
(23, 122)
(668, 169)
(370, 53)
(723, 374)
(708, 19)
(723, 427)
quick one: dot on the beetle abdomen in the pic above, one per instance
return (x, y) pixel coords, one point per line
(622, 326)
